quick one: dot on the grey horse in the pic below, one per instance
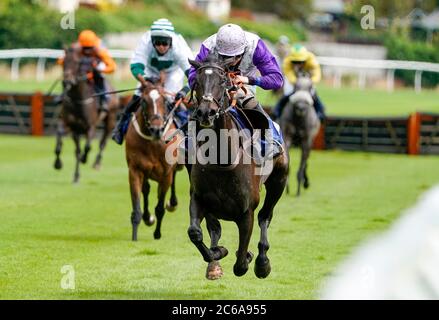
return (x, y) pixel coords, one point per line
(300, 124)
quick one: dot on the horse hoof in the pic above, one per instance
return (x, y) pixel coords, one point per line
(84, 159)
(170, 208)
(239, 271)
(58, 164)
(262, 268)
(219, 252)
(157, 235)
(214, 270)
(97, 166)
(150, 221)
(306, 184)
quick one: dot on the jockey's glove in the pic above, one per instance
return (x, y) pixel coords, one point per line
(182, 93)
(101, 66)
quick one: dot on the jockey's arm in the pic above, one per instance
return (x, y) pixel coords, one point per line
(289, 72)
(271, 76)
(107, 65)
(314, 69)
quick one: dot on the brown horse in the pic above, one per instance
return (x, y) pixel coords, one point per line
(229, 192)
(80, 110)
(145, 155)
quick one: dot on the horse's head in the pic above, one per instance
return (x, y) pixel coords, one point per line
(154, 107)
(210, 90)
(77, 67)
(302, 100)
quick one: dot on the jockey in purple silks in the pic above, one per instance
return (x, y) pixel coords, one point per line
(255, 62)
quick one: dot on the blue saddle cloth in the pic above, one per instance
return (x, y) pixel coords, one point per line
(275, 129)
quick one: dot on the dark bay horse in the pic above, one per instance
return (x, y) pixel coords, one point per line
(80, 110)
(300, 125)
(146, 157)
(230, 192)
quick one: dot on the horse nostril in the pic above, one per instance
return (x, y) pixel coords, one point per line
(199, 113)
(212, 113)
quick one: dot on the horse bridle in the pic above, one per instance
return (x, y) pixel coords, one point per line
(222, 109)
(167, 120)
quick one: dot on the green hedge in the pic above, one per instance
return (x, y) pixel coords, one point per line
(27, 24)
(402, 49)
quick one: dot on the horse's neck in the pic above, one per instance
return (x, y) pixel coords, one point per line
(80, 92)
(140, 118)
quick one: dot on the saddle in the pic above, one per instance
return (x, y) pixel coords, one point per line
(253, 119)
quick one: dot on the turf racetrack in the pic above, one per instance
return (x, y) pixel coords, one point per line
(46, 223)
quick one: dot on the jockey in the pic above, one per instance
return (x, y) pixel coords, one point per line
(160, 49)
(301, 60)
(251, 56)
(90, 45)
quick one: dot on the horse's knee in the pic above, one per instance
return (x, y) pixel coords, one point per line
(195, 234)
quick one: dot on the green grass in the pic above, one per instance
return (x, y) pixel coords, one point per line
(46, 223)
(345, 101)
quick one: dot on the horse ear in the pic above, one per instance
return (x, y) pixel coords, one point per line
(194, 63)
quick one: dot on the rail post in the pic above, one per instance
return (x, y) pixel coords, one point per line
(319, 141)
(37, 114)
(414, 133)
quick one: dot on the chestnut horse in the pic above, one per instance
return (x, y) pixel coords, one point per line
(80, 110)
(145, 155)
(229, 192)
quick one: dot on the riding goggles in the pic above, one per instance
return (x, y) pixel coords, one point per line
(161, 41)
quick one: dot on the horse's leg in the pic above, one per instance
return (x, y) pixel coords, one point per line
(171, 206)
(301, 172)
(135, 177)
(147, 217)
(87, 148)
(160, 207)
(214, 270)
(305, 177)
(77, 157)
(274, 186)
(102, 143)
(194, 231)
(243, 256)
(59, 134)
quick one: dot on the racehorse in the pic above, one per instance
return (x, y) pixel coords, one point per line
(229, 192)
(300, 125)
(146, 156)
(80, 110)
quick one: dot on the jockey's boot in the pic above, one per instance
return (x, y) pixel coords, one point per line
(275, 148)
(118, 134)
(118, 131)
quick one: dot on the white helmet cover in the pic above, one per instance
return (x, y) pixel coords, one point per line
(162, 28)
(230, 40)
